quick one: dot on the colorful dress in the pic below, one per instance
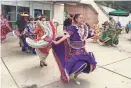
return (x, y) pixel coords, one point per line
(42, 52)
(71, 55)
(109, 35)
(28, 32)
(4, 28)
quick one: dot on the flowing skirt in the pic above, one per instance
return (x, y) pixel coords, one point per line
(24, 43)
(4, 31)
(72, 64)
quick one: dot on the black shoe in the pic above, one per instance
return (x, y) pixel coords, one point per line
(45, 64)
(42, 64)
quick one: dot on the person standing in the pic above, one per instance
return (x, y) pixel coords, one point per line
(21, 24)
(129, 28)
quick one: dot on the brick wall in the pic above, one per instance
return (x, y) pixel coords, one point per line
(90, 15)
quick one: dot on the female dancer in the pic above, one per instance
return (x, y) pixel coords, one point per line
(28, 32)
(4, 27)
(70, 53)
(41, 52)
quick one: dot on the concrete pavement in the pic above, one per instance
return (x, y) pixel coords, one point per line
(20, 69)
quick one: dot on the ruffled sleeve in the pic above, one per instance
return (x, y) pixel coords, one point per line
(70, 30)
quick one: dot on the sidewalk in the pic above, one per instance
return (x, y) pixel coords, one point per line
(113, 70)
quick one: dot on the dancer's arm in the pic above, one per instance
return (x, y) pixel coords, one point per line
(62, 39)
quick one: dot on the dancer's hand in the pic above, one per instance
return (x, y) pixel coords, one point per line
(62, 39)
(55, 42)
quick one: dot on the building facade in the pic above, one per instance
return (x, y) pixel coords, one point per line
(52, 9)
(11, 9)
(89, 13)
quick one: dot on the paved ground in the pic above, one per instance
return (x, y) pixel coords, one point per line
(20, 69)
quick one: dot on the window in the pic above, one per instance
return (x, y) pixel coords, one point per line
(23, 9)
(47, 14)
(37, 12)
(12, 15)
(9, 12)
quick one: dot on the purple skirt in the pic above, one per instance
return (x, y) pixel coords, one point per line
(72, 64)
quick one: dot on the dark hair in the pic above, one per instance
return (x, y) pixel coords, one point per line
(71, 15)
(88, 25)
(110, 18)
(68, 22)
(21, 23)
(75, 17)
(42, 14)
(31, 19)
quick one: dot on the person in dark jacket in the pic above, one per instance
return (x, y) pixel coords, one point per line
(21, 24)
